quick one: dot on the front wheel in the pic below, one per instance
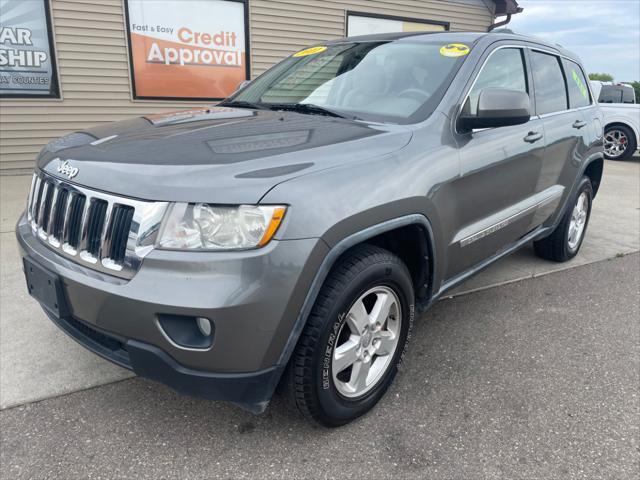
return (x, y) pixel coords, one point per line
(565, 241)
(619, 142)
(355, 338)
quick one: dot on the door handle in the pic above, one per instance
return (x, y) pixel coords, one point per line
(579, 124)
(532, 137)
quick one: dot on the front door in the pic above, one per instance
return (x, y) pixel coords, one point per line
(500, 168)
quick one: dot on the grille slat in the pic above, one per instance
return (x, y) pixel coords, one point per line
(51, 217)
(59, 215)
(104, 232)
(84, 224)
(72, 228)
(119, 233)
(65, 216)
(42, 195)
(32, 191)
(37, 188)
(97, 216)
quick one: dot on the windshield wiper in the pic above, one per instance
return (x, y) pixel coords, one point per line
(309, 108)
(242, 104)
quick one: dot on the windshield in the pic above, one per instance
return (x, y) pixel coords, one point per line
(399, 82)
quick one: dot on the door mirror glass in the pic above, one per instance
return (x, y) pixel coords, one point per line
(496, 107)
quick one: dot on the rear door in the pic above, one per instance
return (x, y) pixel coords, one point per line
(565, 129)
(500, 168)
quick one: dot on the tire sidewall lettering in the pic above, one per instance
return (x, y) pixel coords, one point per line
(329, 349)
(405, 348)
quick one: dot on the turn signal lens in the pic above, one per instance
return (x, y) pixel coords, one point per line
(276, 220)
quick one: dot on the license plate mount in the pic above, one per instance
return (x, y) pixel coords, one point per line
(46, 287)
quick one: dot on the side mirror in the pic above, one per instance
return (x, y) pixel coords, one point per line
(497, 107)
(242, 84)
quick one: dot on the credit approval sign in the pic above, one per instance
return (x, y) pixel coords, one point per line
(188, 49)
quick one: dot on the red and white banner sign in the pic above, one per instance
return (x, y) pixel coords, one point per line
(187, 49)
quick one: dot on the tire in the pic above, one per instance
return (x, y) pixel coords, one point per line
(619, 142)
(309, 380)
(564, 242)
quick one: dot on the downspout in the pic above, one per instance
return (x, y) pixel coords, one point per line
(500, 24)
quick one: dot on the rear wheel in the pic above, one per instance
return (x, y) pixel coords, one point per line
(619, 142)
(565, 241)
(355, 338)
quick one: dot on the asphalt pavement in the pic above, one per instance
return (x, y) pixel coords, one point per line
(537, 379)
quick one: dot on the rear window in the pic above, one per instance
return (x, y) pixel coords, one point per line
(610, 94)
(579, 95)
(549, 85)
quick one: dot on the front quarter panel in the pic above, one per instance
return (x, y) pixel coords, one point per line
(345, 200)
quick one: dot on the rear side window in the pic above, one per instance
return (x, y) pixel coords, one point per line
(610, 94)
(503, 69)
(628, 95)
(551, 93)
(579, 95)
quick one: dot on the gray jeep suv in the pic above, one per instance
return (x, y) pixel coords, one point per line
(286, 238)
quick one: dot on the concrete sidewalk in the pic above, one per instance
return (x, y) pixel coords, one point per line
(38, 361)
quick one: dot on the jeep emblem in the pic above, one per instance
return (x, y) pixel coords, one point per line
(67, 169)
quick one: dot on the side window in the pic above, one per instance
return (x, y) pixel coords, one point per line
(503, 69)
(627, 95)
(551, 93)
(579, 95)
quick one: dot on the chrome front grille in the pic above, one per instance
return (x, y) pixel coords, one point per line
(105, 232)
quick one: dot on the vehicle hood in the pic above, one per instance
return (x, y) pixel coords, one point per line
(216, 155)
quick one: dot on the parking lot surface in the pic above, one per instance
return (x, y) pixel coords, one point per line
(537, 379)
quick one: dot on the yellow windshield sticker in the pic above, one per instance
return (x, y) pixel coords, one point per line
(581, 86)
(309, 51)
(454, 50)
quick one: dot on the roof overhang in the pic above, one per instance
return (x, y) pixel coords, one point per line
(506, 7)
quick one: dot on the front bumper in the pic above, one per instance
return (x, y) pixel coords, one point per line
(252, 298)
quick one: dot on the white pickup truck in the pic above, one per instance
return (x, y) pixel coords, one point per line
(621, 117)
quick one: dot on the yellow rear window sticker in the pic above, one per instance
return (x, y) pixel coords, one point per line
(454, 50)
(309, 51)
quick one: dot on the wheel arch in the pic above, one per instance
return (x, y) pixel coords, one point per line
(381, 234)
(617, 122)
(594, 170)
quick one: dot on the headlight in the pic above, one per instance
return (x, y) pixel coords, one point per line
(201, 226)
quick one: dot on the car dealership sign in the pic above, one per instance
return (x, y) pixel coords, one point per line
(27, 61)
(187, 49)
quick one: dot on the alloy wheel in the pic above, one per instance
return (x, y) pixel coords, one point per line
(615, 143)
(367, 342)
(578, 220)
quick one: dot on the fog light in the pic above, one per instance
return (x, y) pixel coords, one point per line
(204, 325)
(187, 332)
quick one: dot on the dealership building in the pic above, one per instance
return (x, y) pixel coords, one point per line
(69, 64)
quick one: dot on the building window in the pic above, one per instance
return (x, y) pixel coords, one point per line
(359, 23)
(27, 57)
(187, 50)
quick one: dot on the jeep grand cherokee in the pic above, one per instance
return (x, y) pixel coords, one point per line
(287, 237)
